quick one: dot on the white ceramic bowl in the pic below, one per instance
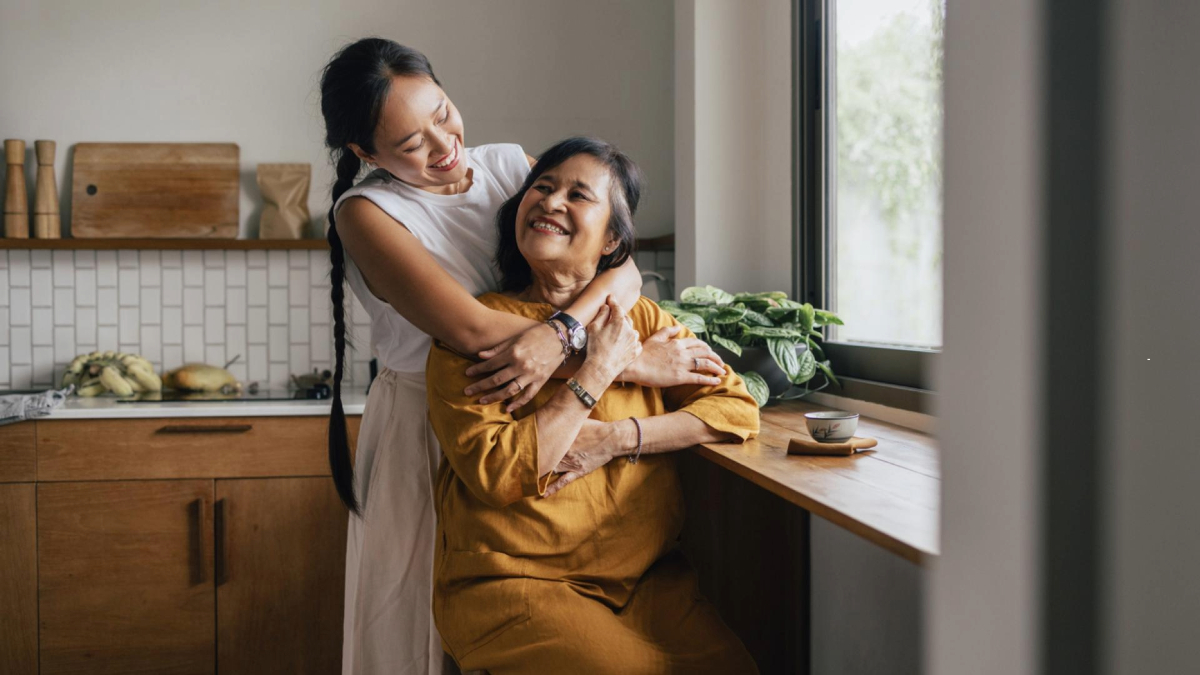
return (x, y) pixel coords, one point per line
(831, 426)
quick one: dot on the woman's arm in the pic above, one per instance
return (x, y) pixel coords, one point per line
(399, 270)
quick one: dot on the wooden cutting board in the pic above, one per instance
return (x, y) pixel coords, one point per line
(155, 190)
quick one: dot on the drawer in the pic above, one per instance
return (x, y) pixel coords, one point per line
(18, 453)
(210, 447)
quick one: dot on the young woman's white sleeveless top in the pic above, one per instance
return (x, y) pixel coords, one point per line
(458, 231)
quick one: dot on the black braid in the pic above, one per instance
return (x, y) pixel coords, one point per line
(339, 439)
(354, 86)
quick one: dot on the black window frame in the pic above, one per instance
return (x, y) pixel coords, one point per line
(892, 375)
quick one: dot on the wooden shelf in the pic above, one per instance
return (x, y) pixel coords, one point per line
(165, 244)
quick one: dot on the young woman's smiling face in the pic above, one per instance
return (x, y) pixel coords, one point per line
(562, 221)
(419, 138)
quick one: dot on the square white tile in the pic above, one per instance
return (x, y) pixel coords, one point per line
(21, 306)
(43, 326)
(85, 325)
(214, 325)
(172, 325)
(39, 258)
(256, 327)
(298, 325)
(193, 268)
(172, 357)
(214, 286)
(64, 268)
(86, 259)
(151, 343)
(278, 376)
(235, 268)
(256, 258)
(277, 268)
(172, 286)
(151, 304)
(127, 259)
(85, 287)
(256, 287)
(193, 306)
(214, 258)
(21, 349)
(64, 306)
(106, 307)
(19, 269)
(277, 306)
(42, 286)
(21, 377)
(64, 344)
(278, 343)
(171, 259)
(256, 363)
(127, 282)
(106, 268)
(235, 305)
(193, 344)
(106, 338)
(297, 259)
(298, 287)
(130, 325)
(150, 268)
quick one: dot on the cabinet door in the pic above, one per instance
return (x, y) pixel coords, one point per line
(125, 577)
(18, 579)
(281, 546)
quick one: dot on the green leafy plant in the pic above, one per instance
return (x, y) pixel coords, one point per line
(770, 321)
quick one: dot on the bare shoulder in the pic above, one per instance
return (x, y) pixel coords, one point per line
(531, 159)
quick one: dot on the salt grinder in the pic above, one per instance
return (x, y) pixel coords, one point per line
(16, 204)
(46, 223)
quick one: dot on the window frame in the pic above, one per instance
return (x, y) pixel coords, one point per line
(890, 375)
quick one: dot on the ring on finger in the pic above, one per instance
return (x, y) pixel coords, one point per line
(519, 385)
(695, 363)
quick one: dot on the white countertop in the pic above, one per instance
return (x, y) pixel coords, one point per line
(106, 407)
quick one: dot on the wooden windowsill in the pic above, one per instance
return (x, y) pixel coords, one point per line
(165, 244)
(889, 495)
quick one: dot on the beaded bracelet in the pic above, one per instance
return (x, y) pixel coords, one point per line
(638, 453)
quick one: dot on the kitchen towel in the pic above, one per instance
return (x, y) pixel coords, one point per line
(20, 407)
(807, 446)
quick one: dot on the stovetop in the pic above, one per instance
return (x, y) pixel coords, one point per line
(312, 393)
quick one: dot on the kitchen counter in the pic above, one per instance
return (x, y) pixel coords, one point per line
(101, 407)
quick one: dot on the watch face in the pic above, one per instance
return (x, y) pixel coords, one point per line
(578, 339)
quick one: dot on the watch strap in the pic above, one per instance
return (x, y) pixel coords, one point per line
(588, 399)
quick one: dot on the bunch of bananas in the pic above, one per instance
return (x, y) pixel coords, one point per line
(100, 372)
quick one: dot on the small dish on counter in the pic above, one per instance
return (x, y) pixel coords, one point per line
(831, 426)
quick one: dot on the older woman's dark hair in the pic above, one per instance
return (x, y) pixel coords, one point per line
(626, 190)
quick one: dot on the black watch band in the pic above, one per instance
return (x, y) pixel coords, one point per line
(576, 334)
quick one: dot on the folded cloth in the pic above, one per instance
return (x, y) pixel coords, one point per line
(807, 446)
(20, 407)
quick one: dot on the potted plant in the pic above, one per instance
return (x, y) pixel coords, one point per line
(769, 339)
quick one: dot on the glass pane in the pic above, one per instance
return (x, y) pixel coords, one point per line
(885, 182)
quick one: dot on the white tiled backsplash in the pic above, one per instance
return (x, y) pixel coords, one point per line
(173, 307)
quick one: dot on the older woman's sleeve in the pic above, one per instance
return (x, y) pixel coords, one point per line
(727, 407)
(494, 454)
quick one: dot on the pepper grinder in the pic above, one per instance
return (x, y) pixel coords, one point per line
(16, 204)
(46, 223)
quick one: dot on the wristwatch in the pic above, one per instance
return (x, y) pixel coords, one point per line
(576, 333)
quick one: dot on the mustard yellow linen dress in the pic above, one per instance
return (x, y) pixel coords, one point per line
(588, 580)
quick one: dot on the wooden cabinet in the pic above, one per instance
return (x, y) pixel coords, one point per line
(171, 546)
(281, 546)
(125, 577)
(18, 579)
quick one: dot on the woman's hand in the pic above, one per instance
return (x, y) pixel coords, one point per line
(520, 366)
(594, 447)
(612, 342)
(669, 362)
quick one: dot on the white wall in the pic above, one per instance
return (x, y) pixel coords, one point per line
(733, 144)
(525, 71)
(1151, 594)
(982, 601)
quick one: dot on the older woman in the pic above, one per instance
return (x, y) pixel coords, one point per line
(587, 579)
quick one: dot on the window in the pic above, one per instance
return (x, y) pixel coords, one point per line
(869, 180)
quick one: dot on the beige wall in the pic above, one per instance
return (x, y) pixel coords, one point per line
(733, 144)
(525, 71)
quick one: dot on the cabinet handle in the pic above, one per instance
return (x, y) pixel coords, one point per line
(205, 429)
(219, 551)
(196, 527)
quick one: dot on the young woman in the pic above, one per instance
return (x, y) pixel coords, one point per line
(415, 240)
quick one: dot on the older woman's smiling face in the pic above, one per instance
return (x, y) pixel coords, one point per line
(562, 221)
